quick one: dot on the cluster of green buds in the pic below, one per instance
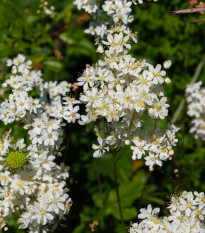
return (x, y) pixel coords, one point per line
(16, 159)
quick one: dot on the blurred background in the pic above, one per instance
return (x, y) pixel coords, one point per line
(59, 47)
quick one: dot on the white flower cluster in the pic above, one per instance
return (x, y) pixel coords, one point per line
(121, 90)
(186, 215)
(31, 181)
(20, 105)
(196, 108)
(117, 10)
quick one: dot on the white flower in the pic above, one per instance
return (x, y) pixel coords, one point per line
(5, 179)
(44, 161)
(73, 114)
(57, 201)
(41, 214)
(177, 221)
(139, 149)
(99, 149)
(49, 137)
(145, 212)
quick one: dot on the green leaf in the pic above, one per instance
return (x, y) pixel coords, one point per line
(79, 228)
(66, 38)
(151, 199)
(128, 213)
(97, 200)
(128, 192)
(54, 65)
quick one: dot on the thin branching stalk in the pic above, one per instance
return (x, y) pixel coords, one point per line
(121, 154)
(117, 192)
(99, 181)
(142, 193)
(133, 117)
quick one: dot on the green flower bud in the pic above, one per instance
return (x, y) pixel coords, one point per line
(16, 159)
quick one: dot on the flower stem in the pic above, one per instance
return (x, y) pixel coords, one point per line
(142, 193)
(99, 181)
(117, 192)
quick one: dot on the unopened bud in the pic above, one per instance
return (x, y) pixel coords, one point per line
(167, 80)
(100, 49)
(171, 152)
(167, 64)
(151, 112)
(169, 147)
(4, 85)
(134, 157)
(127, 142)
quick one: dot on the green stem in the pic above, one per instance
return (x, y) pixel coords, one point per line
(130, 126)
(142, 193)
(128, 133)
(117, 192)
(99, 181)
(104, 124)
(122, 152)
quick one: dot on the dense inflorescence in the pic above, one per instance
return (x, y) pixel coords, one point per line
(196, 108)
(114, 11)
(31, 181)
(186, 215)
(121, 91)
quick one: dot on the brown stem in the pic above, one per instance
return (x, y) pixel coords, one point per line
(83, 17)
(185, 11)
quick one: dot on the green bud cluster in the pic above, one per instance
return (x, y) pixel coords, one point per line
(16, 159)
